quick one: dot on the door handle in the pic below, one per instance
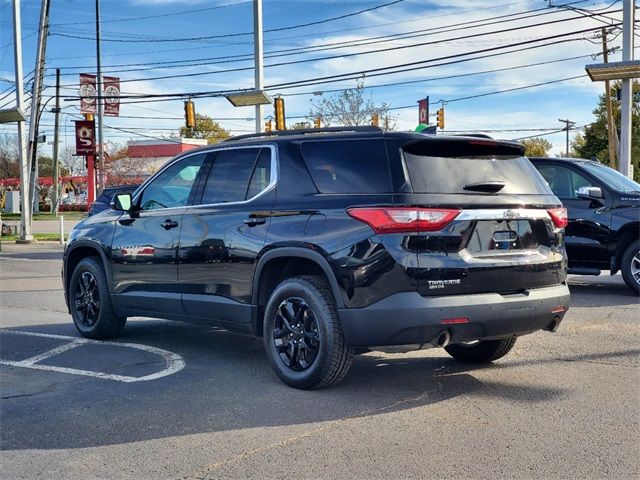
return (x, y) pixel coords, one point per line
(253, 221)
(169, 224)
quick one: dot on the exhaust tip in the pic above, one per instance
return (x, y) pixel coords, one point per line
(443, 339)
(554, 324)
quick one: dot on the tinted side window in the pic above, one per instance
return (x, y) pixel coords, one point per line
(564, 182)
(172, 187)
(229, 177)
(261, 174)
(348, 166)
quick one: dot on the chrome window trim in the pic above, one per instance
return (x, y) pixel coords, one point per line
(503, 214)
(273, 180)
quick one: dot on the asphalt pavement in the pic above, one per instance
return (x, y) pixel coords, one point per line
(170, 400)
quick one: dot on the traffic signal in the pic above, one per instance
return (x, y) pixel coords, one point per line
(440, 118)
(375, 119)
(189, 114)
(316, 122)
(279, 107)
(268, 126)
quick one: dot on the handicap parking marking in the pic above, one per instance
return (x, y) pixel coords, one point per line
(174, 362)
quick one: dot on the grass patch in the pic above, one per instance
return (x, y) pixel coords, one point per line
(45, 216)
(45, 237)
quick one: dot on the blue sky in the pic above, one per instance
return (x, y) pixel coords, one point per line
(137, 41)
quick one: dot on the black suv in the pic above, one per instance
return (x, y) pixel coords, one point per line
(327, 242)
(604, 216)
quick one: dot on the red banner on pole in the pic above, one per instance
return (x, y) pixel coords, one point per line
(85, 137)
(111, 96)
(87, 93)
(423, 111)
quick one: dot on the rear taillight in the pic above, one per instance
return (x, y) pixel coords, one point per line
(559, 217)
(404, 219)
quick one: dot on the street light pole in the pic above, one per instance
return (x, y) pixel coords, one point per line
(38, 77)
(100, 112)
(628, 11)
(25, 214)
(257, 54)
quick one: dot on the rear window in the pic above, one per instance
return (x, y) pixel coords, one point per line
(348, 166)
(430, 171)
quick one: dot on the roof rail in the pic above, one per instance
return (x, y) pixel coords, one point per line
(306, 131)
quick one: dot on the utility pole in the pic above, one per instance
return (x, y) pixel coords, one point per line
(25, 214)
(257, 57)
(568, 126)
(56, 144)
(628, 12)
(100, 110)
(38, 76)
(611, 126)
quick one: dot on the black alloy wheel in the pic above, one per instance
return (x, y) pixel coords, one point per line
(295, 335)
(303, 336)
(90, 303)
(87, 299)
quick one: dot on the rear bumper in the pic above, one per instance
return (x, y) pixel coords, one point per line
(409, 318)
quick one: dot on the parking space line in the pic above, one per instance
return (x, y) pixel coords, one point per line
(50, 353)
(174, 362)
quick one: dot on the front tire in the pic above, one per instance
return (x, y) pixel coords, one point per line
(90, 302)
(630, 266)
(303, 337)
(483, 352)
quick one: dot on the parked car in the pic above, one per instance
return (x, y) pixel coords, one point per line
(331, 241)
(604, 216)
(104, 199)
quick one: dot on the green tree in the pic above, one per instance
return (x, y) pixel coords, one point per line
(594, 142)
(351, 108)
(536, 147)
(45, 167)
(207, 128)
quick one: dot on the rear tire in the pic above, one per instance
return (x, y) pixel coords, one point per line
(90, 302)
(484, 352)
(630, 266)
(303, 337)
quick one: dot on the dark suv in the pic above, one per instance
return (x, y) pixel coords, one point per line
(604, 216)
(327, 242)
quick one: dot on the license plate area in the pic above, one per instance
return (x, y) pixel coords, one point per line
(495, 236)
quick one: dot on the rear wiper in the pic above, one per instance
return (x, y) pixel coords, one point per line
(491, 187)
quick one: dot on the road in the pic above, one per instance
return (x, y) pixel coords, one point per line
(561, 405)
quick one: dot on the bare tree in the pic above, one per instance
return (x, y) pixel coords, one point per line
(72, 162)
(123, 169)
(9, 161)
(352, 108)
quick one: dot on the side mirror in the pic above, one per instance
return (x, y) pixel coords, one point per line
(590, 193)
(122, 202)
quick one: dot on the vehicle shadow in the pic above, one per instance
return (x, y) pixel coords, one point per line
(600, 291)
(226, 385)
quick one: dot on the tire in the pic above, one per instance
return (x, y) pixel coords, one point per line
(303, 337)
(90, 302)
(484, 352)
(630, 266)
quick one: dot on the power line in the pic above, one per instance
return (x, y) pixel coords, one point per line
(363, 72)
(210, 37)
(169, 14)
(352, 43)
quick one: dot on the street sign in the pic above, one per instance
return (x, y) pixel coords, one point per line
(87, 93)
(111, 96)
(423, 111)
(85, 137)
